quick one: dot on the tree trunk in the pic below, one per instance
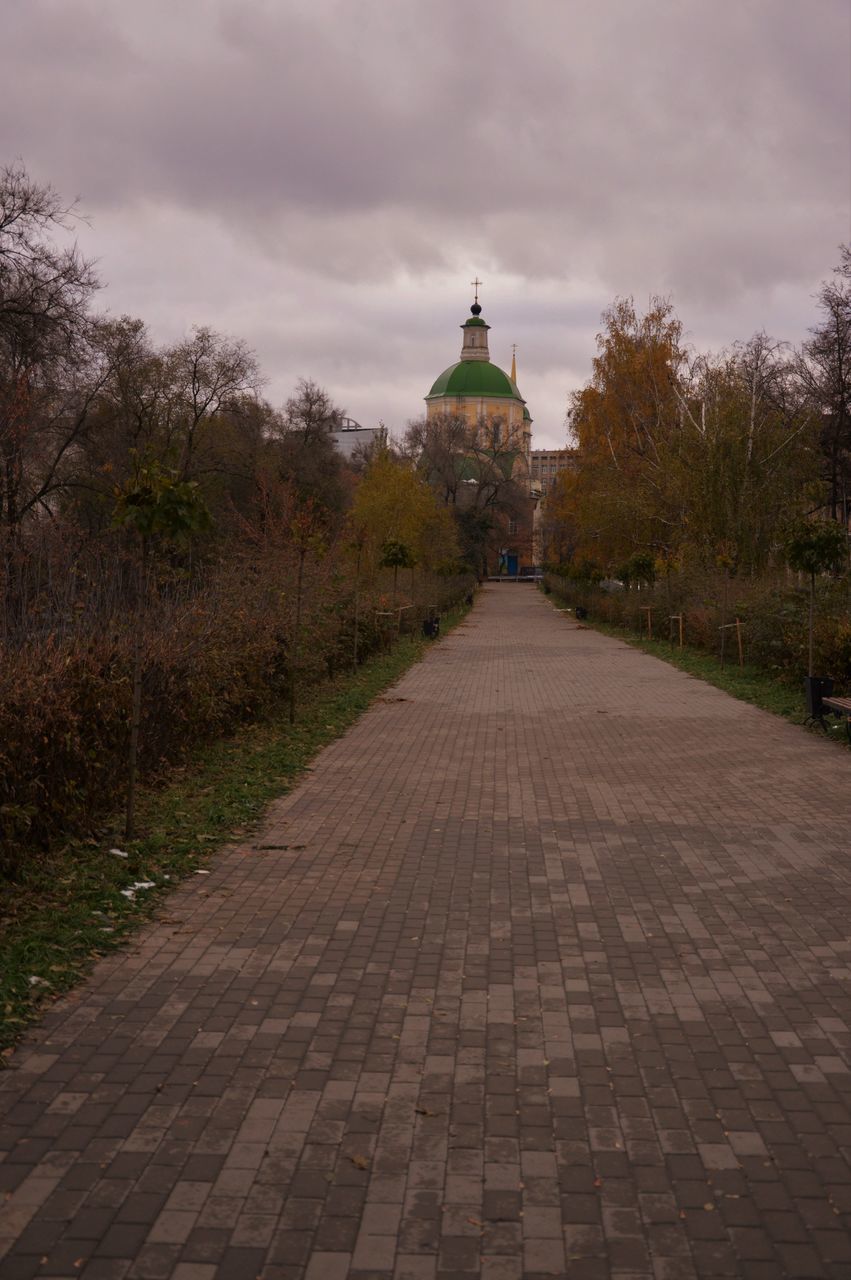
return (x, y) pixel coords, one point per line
(296, 633)
(136, 704)
(812, 615)
(12, 548)
(357, 612)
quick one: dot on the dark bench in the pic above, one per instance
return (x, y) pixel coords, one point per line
(839, 707)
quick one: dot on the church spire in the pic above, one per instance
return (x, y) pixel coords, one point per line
(514, 363)
(475, 345)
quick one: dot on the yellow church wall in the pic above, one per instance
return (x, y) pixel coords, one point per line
(483, 410)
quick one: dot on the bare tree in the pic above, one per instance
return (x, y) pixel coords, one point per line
(826, 374)
(745, 454)
(440, 447)
(45, 357)
(303, 452)
(209, 375)
(476, 470)
(193, 408)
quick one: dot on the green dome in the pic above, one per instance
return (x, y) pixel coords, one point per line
(474, 378)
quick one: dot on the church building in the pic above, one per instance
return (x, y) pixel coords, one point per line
(478, 390)
(482, 394)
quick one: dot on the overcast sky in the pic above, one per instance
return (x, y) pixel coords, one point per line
(325, 177)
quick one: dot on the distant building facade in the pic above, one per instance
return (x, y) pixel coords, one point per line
(348, 435)
(546, 464)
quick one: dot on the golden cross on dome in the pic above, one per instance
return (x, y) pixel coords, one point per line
(475, 283)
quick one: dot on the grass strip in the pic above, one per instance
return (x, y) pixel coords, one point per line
(78, 904)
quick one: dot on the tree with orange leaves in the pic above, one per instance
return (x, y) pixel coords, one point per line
(623, 496)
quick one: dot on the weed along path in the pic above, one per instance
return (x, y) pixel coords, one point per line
(543, 970)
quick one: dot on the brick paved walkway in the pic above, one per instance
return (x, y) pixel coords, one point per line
(542, 971)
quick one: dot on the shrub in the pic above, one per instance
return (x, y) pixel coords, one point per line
(211, 659)
(773, 611)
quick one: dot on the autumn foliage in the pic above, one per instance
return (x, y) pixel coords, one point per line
(692, 472)
(177, 555)
(681, 457)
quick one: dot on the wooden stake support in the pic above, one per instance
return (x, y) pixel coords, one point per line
(678, 617)
(738, 629)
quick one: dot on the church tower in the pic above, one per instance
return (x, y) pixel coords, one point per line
(476, 389)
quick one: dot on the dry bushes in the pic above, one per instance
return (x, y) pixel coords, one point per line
(772, 611)
(213, 657)
(64, 708)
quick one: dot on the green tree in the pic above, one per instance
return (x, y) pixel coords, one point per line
(396, 555)
(815, 547)
(640, 568)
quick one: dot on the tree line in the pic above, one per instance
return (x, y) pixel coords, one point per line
(690, 458)
(176, 552)
(702, 484)
(90, 404)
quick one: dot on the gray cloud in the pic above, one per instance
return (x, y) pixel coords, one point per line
(325, 177)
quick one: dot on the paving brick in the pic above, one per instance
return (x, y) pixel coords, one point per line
(541, 970)
(374, 1253)
(328, 1266)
